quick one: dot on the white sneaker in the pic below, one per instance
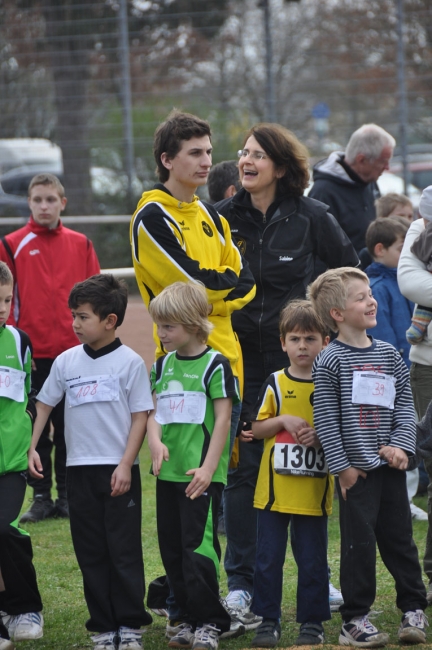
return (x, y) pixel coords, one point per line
(206, 637)
(129, 639)
(418, 513)
(412, 628)
(236, 627)
(361, 633)
(239, 599)
(160, 611)
(238, 605)
(335, 598)
(183, 638)
(105, 641)
(23, 627)
(6, 644)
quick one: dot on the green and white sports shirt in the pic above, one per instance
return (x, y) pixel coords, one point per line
(185, 389)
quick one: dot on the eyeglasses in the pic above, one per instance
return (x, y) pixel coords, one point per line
(255, 155)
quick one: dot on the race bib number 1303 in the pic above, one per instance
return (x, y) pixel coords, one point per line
(298, 460)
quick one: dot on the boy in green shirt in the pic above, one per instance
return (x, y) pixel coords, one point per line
(193, 388)
(20, 602)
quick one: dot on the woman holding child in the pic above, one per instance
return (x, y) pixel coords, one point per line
(281, 233)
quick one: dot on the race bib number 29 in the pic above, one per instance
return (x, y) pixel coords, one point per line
(298, 460)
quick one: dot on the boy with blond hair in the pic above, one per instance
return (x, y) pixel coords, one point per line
(364, 417)
(294, 488)
(193, 390)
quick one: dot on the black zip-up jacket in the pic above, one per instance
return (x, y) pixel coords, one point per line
(350, 200)
(281, 248)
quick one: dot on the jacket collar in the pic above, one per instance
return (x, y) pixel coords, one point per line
(243, 200)
(43, 230)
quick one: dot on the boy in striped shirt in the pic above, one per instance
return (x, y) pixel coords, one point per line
(364, 418)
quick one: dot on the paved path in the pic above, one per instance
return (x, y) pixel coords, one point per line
(136, 330)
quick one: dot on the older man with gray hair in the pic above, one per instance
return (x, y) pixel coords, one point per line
(347, 181)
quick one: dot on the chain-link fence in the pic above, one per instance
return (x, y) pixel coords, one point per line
(97, 77)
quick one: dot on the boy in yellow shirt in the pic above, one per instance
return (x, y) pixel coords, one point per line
(294, 486)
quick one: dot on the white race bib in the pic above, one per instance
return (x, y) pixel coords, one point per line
(99, 388)
(12, 383)
(374, 388)
(298, 460)
(187, 407)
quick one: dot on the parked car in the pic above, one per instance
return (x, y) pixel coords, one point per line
(13, 206)
(419, 172)
(105, 182)
(389, 182)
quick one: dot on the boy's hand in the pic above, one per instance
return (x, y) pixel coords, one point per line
(159, 453)
(308, 437)
(246, 435)
(294, 425)
(200, 482)
(396, 457)
(34, 464)
(348, 477)
(120, 480)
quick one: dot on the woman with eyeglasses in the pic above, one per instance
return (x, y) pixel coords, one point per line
(282, 234)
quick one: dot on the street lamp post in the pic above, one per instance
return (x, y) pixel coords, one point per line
(270, 84)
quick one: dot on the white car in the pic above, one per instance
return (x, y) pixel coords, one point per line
(389, 182)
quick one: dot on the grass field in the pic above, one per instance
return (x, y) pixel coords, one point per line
(65, 611)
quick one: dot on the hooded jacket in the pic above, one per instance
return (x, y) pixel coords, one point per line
(281, 248)
(45, 264)
(415, 283)
(394, 310)
(176, 241)
(350, 199)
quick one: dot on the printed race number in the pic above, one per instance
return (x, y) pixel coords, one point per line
(12, 383)
(374, 388)
(101, 388)
(187, 407)
(298, 460)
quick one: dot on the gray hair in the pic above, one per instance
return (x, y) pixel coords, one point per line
(369, 140)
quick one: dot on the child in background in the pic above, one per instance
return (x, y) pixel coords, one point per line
(389, 205)
(107, 399)
(394, 205)
(20, 602)
(193, 389)
(294, 487)
(365, 420)
(422, 248)
(384, 240)
(46, 260)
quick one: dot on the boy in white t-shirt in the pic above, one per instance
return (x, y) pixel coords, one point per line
(107, 399)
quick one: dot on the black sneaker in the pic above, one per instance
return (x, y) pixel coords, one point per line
(267, 634)
(310, 634)
(41, 508)
(61, 508)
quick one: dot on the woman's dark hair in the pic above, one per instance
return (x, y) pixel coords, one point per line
(104, 293)
(287, 153)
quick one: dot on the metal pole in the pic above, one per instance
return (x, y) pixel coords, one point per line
(126, 97)
(402, 96)
(270, 87)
